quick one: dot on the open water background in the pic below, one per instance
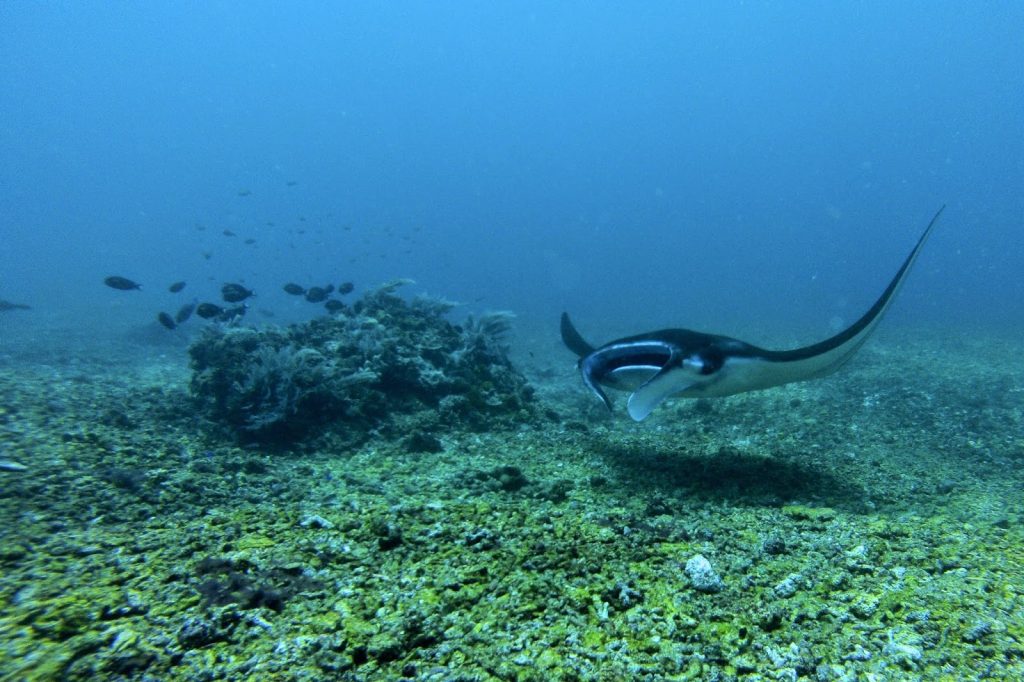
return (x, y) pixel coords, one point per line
(757, 169)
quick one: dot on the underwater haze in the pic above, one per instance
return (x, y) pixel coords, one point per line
(733, 166)
(289, 388)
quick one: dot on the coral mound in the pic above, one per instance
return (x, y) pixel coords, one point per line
(360, 370)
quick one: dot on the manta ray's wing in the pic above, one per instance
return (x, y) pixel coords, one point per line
(572, 339)
(665, 384)
(827, 356)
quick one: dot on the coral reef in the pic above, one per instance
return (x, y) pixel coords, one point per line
(355, 371)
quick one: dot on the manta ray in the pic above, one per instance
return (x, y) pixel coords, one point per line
(689, 364)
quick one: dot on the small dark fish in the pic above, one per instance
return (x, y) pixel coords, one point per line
(208, 310)
(244, 192)
(346, 288)
(334, 305)
(229, 233)
(166, 320)
(7, 305)
(176, 287)
(294, 289)
(233, 293)
(250, 240)
(329, 288)
(316, 295)
(184, 312)
(207, 254)
(122, 283)
(291, 183)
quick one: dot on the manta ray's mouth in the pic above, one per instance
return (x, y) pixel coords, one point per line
(649, 355)
(624, 366)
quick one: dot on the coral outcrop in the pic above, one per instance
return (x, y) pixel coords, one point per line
(359, 369)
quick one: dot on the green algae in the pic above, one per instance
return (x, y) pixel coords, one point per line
(434, 565)
(802, 512)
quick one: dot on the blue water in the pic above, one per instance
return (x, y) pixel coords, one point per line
(732, 167)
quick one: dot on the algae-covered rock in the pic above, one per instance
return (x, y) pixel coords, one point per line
(802, 512)
(703, 576)
(357, 370)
